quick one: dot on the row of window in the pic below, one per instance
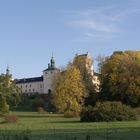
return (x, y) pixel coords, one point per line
(30, 90)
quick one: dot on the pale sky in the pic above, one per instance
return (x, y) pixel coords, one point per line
(31, 30)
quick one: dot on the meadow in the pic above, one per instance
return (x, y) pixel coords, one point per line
(56, 127)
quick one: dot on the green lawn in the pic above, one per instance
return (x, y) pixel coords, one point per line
(56, 127)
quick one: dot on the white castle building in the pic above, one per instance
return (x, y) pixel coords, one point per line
(39, 85)
(88, 60)
(44, 84)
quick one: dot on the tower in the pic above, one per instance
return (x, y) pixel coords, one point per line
(48, 76)
(7, 71)
(52, 63)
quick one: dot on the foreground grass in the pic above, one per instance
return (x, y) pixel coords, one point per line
(56, 127)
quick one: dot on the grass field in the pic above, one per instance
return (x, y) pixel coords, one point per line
(56, 127)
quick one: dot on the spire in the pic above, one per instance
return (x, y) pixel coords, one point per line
(7, 70)
(52, 62)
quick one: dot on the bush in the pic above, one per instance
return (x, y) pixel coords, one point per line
(137, 110)
(70, 114)
(11, 119)
(38, 102)
(1, 115)
(41, 110)
(107, 111)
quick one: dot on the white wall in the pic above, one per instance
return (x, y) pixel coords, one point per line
(31, 87)
(48, 77)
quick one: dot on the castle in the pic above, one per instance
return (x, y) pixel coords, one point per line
(39, 85)
(44, 83)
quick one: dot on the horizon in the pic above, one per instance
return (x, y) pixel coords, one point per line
(30, 31)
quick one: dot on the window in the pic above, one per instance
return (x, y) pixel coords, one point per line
(49, 91)
(33, 90)
(30, 85)
(26, 86)
(20, 86)
(40, 86)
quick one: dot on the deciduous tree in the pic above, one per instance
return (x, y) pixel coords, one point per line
(69, 91)
(8, 89)
(120, 76)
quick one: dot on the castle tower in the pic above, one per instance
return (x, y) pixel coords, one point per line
(7, 71)
(52, 63)
(48, 76)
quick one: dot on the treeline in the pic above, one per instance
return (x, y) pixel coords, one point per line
(75, 94)
(74, 90)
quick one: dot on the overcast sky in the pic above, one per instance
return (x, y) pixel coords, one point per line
(31, 30)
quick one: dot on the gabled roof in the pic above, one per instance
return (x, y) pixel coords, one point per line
(29, 80)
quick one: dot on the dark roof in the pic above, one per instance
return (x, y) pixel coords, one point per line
(50, 69)
(29, 80)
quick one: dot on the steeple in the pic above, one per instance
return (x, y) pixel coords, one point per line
(52, 63)
(7, 71)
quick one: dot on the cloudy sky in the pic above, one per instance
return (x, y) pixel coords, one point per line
(31, 30)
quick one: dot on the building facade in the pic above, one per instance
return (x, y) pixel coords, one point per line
(44, 83)
(87, 63)
(39, 85)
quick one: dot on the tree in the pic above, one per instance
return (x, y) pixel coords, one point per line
(7, 90)
(69, 91)
(84, 63)
(120, 76)
(4, 105)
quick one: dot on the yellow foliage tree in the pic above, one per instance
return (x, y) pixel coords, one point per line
(120, 75)
(69, 91)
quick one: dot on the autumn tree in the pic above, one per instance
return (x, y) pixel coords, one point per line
(120, 74)
(69, 91)
(85, 63)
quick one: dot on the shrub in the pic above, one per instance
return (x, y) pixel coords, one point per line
(11, 119)
(41, 110)
(1, 115)
(38, 102)
(107, 111)
(70, 114)
(137, 110)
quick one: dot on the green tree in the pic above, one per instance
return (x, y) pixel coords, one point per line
(4, 105)
(120, 74)
(8, 89)
(69, 91)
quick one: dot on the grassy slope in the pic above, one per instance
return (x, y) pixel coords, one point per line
(56, 127)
